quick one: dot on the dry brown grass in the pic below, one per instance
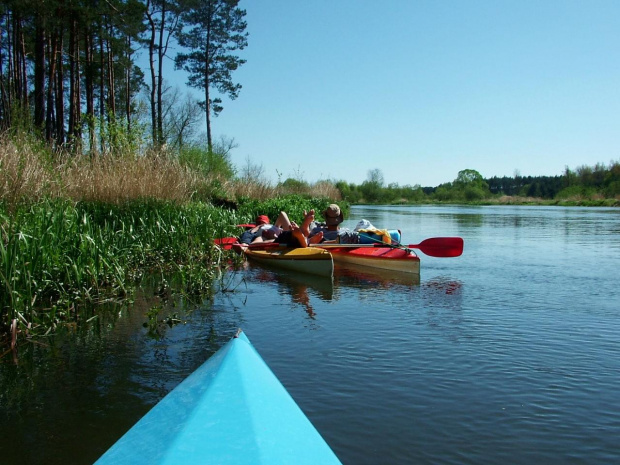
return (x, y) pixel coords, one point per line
(30, 172)
(325, 189)
(116, 180)
(253, 189)
(24, 174)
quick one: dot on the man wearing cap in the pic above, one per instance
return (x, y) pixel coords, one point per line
(330, 230)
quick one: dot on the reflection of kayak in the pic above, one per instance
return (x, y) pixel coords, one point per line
(386, 258)
(347, 274)
(309, 260)
(231, 410)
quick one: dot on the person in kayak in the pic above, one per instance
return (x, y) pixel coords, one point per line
(283, 231)
(329, 231)
(255, 233)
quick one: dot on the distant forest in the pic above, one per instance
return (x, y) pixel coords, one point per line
(585, 183)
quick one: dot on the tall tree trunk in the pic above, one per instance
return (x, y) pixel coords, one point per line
(89, 82)
(128, 86)
(208, 80)
(24, 68)
(20, 82)
(153, 93)
(111, 78)
(60, 92)
(208, 107)
(39, 72)
(160, 74)
(101, 87)
(74, 91)
(3, 92)
(52, 60)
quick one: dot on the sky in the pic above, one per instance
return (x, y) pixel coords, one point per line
(422, 89)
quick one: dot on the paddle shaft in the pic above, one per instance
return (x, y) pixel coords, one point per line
(433, 247)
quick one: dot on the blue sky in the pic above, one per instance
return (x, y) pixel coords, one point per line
(423, 89)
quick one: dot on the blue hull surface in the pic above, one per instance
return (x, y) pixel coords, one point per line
(231, 410)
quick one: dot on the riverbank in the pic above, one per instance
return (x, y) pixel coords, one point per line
(516, 200)
(59, 257)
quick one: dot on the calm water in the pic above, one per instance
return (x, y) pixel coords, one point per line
(507, 354)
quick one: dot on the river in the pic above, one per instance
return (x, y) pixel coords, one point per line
(507, 354)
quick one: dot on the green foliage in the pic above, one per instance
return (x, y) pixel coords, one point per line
(576, 191)
(55, 256)
(207, 162)
(612, 189)
(295, 186)
(115, 136)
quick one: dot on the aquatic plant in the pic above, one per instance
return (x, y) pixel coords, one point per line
(57, 255)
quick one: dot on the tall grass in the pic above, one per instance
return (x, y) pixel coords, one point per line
(56, 255)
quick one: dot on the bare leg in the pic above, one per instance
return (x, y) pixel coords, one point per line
(317, 238)
(282, 221)
(299, 235)
(308, 219)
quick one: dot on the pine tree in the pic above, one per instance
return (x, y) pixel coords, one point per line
(215, 30)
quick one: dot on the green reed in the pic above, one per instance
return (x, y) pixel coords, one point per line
(57, 255)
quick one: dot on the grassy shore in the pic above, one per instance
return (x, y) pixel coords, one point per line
(56, 256)
(77, 231)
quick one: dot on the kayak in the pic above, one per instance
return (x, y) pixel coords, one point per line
(315, 261)
(393, 257)
(384, 258)
(231, 410)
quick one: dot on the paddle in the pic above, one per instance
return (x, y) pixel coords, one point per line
(227, 243)
(440, 246)
(433, 247)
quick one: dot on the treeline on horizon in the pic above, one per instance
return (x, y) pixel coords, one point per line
(585, 184)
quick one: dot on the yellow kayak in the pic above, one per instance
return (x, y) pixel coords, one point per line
(307, 260)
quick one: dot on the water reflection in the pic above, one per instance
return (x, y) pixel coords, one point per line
(302, 288)
(299, 286)
(360, 276)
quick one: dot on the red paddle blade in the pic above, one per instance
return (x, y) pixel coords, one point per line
(225, 242)
(440, 246)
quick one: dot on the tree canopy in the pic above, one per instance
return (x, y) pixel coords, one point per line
(68, 68)
(215, 29)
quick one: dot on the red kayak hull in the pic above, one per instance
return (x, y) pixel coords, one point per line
(386, 258)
